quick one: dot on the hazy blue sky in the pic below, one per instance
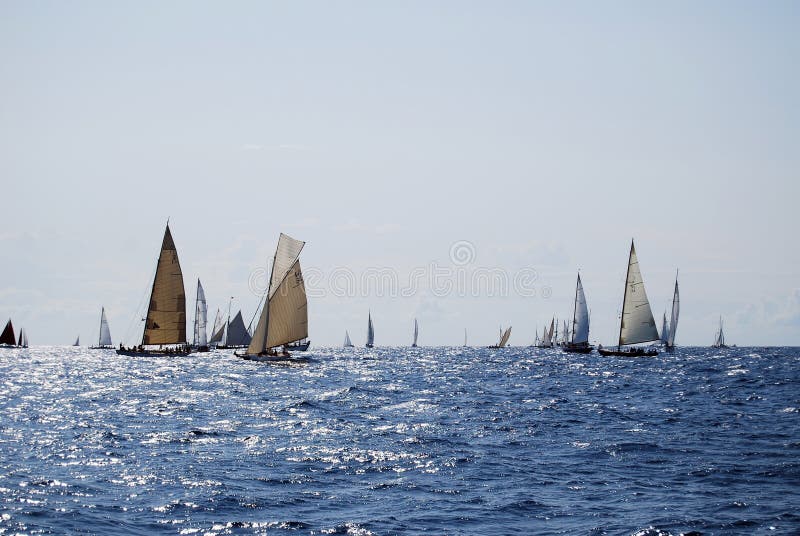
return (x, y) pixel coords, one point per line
(547, 135)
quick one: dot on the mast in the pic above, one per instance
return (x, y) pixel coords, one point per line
(622, 317)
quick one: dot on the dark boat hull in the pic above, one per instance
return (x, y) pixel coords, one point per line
(578, 348)
(278, 359)
(298, 347)
(628, 352)
(161, 352)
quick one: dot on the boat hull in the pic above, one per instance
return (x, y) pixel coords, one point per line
(628, 352)
(368, 346)
(577, 348)
(279, 359)
(153, 353)
(298, 347)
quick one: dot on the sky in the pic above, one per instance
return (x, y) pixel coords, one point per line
(456, 162)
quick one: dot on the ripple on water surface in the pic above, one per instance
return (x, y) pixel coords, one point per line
(400, 440)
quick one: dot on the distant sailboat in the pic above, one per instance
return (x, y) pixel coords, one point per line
(284, 316)
(465, 337)
(238, 336)
(416, 334)
(77, 341)
(104, 339)
(165, 325)
(370, 331)
(199, 342)
(579, 343)
(664, 330)
(347, 342)
(23, 342)
(637, 324)
(673, 323)
(218, 331)
(504, 336)
(7, 338)
(547, 336)
(719, 339)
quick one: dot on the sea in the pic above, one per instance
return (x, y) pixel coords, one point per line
(401, 441)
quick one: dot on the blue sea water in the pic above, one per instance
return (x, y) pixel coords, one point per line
(401, 441)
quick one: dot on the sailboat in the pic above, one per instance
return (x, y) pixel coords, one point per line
(664, 330)
(719, 339)
(238, 336)
(165, 325)
(77, 341)
(199, 341)
(579, 342)
(23, 339)
(637, 324)
(347, 342)
(673, 323)
(218, 331)
(504, 336)
(547, 336)
(416, 334)
(284, 316)
(465, 337)
(370, 331)
(7, 338)
(104, 338)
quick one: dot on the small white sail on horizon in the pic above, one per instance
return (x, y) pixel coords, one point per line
(77, 341)
(347, 342)
(200, 317)
(676, 308)
(105, 333)
(416, 334)
(664, 329)
(370, 331)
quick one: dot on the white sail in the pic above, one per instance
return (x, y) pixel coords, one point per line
(676, 309)
(105, 333)
(637, 324)
(370, 330)
(24, 338)
(416, 333)
(504, 338)
(580, 321)
(664, 329)
(465, 336)
(284, 317)
(200, 317)
(347, 342)
(218, 331)
(77, 341)
(237, 333)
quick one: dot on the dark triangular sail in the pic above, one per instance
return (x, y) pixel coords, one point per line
(8, 334)
(166, 314)
(237, 333)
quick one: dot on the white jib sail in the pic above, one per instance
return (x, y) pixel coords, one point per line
(676, 309)
(638, 324)
(370, 330)
(580, 329)
(416, 332)
(200, 317)
(105, 333)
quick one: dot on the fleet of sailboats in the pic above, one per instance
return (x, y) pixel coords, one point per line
(7, 339)
(637, 324)
(283, 319)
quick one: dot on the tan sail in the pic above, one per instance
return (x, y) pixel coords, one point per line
(284, 318)
(638, 324)
(166, 314)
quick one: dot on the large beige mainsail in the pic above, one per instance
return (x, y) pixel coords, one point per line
(166, 314)
(637, 324)
(284, 318)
